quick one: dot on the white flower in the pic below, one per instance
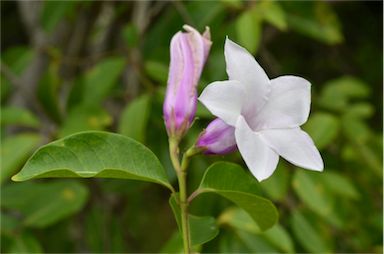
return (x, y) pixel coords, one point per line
(266, 114)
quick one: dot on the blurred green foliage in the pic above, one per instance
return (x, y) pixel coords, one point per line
(103, 66)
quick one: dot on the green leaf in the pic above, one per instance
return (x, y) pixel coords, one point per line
(43, 204)
(95, 154)
(240, 220)
(83, 118)
(25, 243)
(255, 243)
(235, 4)
(323, 128)
(277, 186)
(100, 80)
(316, 20)
(355, 129)
(314, 194)
(53, 12)
(15, 151)
(360, 110)
(339, 184)
(18, 116)
(230, 181)
(9, 224)
(17, 58)
(273, 13)
(133, 121)
(174, 244)
(131, 35)
(248, 30)
(157, 71)
(48, 91)
(308, 236)
(202, 229)
(337, 93)
(280, 238)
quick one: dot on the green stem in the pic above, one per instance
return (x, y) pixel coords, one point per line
(184, 212)
(182, 178)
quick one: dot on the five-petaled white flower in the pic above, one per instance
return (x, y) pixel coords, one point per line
(266, 114)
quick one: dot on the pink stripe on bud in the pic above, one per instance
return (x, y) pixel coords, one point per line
(189, 52)
(217, 138)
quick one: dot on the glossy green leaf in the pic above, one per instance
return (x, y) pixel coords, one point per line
(15, 151)
(18, 116)
(157, 71)
(248, 30)
(240, 220)
(83, 118)
(307, 235)
(202, 229)
(133, 120)
(230, 181)
(95, 154)
(323, 128)
(43, 204)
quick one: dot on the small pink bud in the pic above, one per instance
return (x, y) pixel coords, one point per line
(217, 138)
(189, 52)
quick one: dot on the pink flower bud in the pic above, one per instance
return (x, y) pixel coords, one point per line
(217, 138)
(189, 52)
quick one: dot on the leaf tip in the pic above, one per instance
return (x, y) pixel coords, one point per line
(16, 178)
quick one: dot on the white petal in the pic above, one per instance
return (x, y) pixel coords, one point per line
(260, 159)
(294, 145)
(288, 104)
(224, 99)
(243, 67)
